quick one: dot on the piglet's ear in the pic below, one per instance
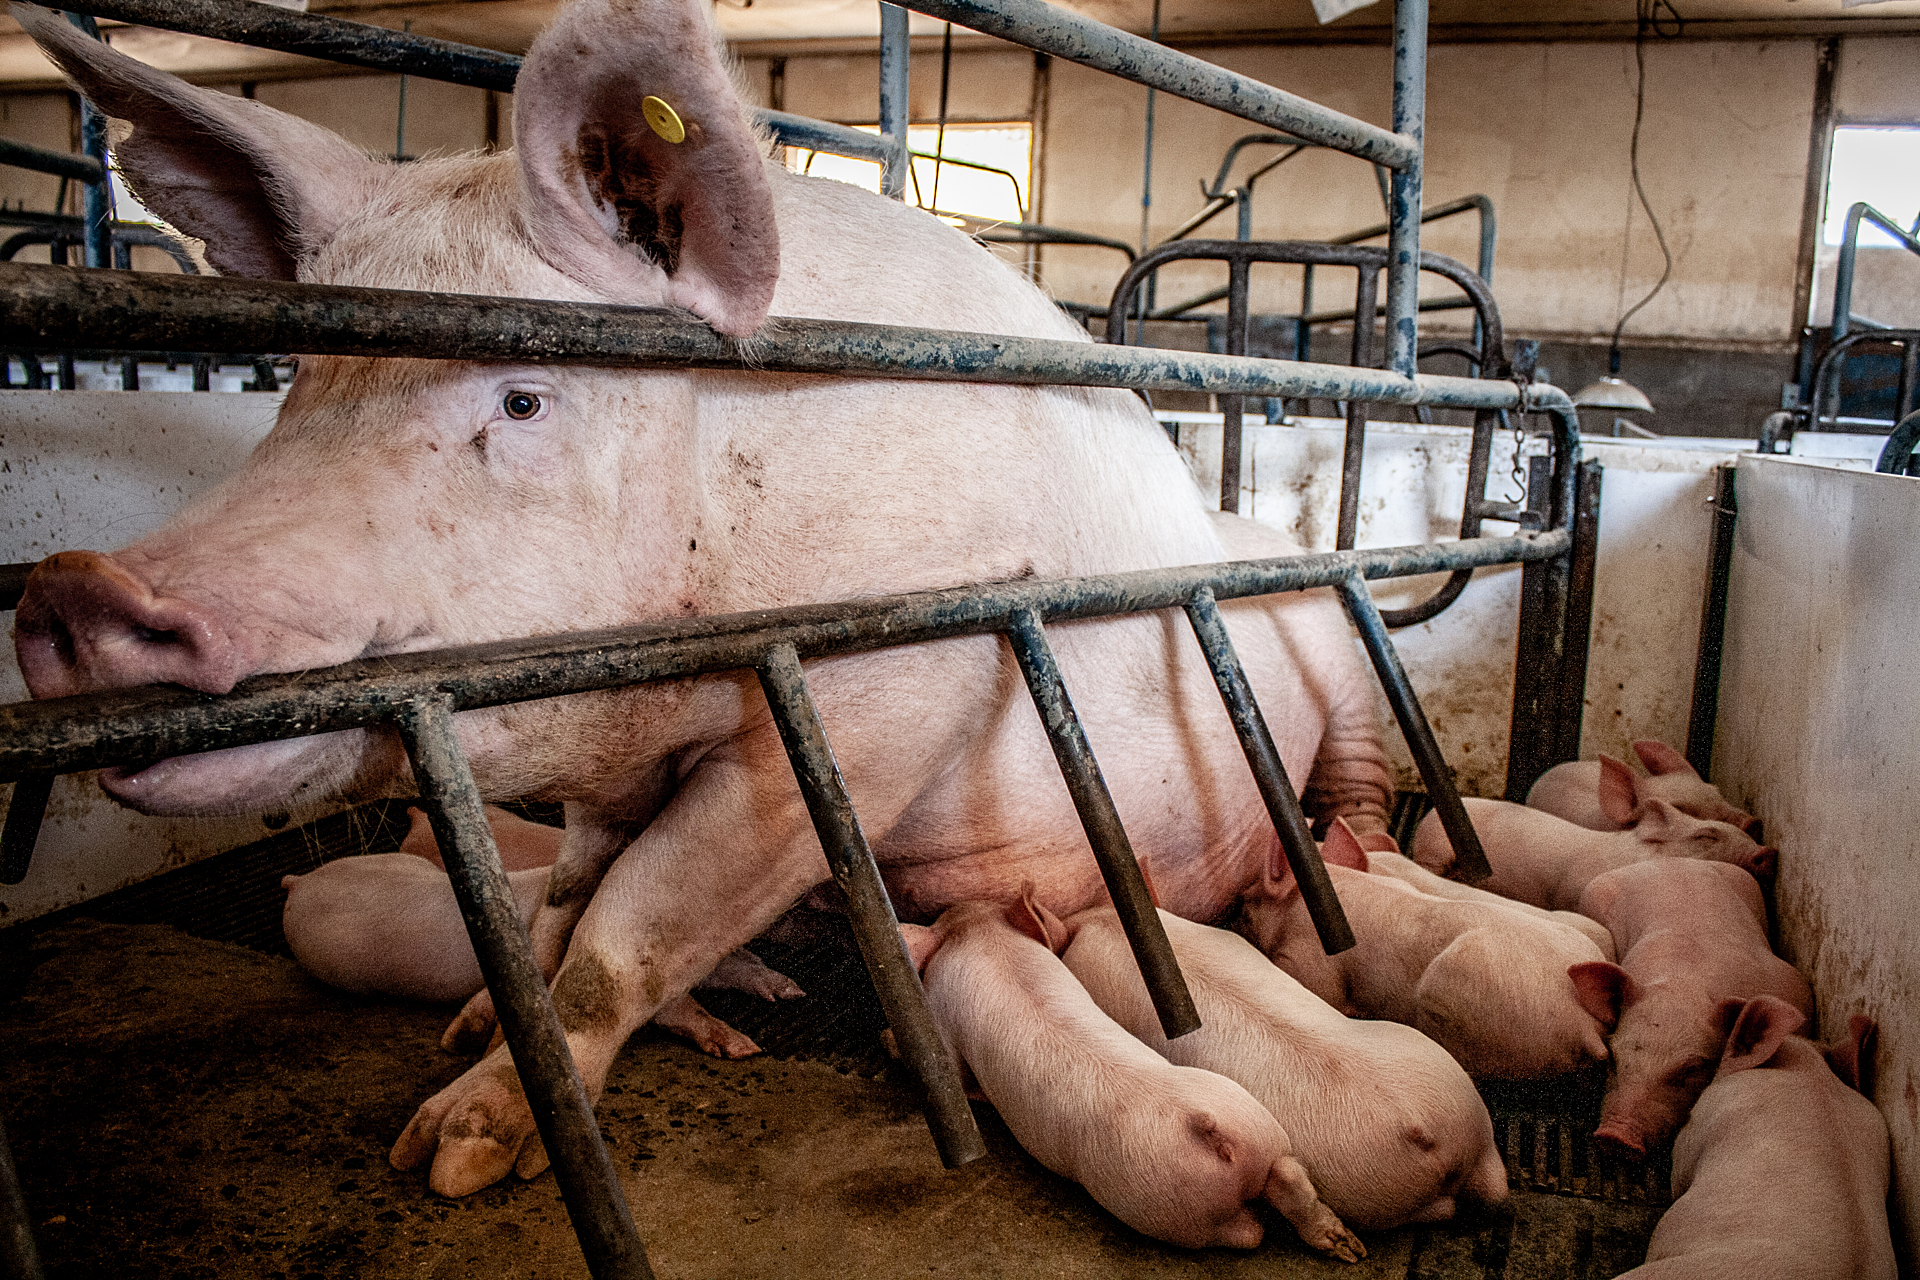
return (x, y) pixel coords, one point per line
(1852, 1056)
(1038, 923)
(1619, 791)
(644, 180)
(260, 187)
(921, 942)
(1603, 990)
(1342, 848)
(1661, 759)
(1757, 1035)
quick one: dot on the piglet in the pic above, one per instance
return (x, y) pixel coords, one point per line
(1174, 1152)
(1692, 941)
(1387, 862)
(1547, 861)
(1487, 982)
(1386, 1124)
(1782, 1171)
(1571, 790)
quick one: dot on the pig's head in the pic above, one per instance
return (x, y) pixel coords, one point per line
(1025, 916)
(1673, 833)
(1272, 907)
(1667, 1042)
(400, 505)
(1671, 778)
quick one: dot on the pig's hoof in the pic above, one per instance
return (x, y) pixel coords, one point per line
(687, 1019)
(1330, 1235)
(474, 1131)
(744, 971)
(472, 1028)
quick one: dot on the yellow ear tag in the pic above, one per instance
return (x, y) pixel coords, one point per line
(663, 119)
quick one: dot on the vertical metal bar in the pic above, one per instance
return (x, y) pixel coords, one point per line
(1544, 587)
(69, 375)
(1909, 379)
(1270, 774)
(203, 373)
(868, 907)
(1583, 562)
(555, 1094)
(129, 373)
(1232, 425)
(19, 1256)
(895, 59)
(25, 812)
(96, 228)
(1469, 861)
(1111, 849)
(1366, 299)
(1403, 237)
(1705, 710)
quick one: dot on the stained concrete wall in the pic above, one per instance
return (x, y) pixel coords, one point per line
(1819, 698)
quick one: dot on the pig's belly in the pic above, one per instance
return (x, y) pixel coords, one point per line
(1000, 814)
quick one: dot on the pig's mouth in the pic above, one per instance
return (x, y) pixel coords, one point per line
(262, 775)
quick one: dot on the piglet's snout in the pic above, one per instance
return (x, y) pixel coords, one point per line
(86, 623)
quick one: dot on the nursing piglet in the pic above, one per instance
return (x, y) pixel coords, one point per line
(1571, 790)
(1487, 982)
(1173, 1152)
(1386, 1124)
(1782, 1171)
(1692, 941)
(1403, 868)
(1548, 861)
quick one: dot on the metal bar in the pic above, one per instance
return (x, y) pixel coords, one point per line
(96, 199)
(52, 307)
(13, 581)
(1470, 861)
(554, 1092)
(1270, 775)
(1145, 933)
(25, 811)
(1066, 34)
(1583, 560)
(818, 135)
(868, 908)
(1232, 428)
(895, 69)
(1544, 590)
(1823, 399)
(1849, 247)
(1905, 399)
(1403, 240)
(1353, 452)
(1896, 456)
(1705, 710)
(65, 164)
(19, 1256)
(126, 726)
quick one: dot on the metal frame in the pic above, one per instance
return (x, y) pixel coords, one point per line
(418, 694)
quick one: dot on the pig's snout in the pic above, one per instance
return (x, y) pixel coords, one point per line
(1623, 1138)
(1763, 862)
(86, 622)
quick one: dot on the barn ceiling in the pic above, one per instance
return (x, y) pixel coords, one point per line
(799, 26)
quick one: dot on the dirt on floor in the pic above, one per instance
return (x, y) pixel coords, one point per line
(180, 1107)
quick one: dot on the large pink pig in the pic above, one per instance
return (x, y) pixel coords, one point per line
(1782, 1171)
(1489, 983)
(1386, 1123)
(1547, 861)
(405, 505)
(1174, 1152)
(1692, 941)
(1573, 790)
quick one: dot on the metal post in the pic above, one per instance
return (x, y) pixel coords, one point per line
(1365, 303)
(1403, 239)
(1469, 861)
(1270, 774)
(1583, 562)
(1705, 710)
(1909, 393)
(554, 1092)
(19, 1257)
(1232, 423)
(868, 907)
(25, 812)
(1544, 589)
(97, 197)
(1111, 849)
(895, 60)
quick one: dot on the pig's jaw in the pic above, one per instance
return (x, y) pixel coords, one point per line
(263, 775)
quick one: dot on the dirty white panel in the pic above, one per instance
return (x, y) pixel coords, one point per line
(1819, 702)
(95, 470)
(1652, 567)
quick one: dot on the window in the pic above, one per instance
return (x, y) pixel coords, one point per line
(1880, 166)
(991, 185)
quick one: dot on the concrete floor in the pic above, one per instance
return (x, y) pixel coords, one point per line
(187, 1108)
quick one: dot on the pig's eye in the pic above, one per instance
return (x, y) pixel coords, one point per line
(520, 405)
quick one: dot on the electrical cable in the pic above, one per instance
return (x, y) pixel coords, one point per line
(1647, 19)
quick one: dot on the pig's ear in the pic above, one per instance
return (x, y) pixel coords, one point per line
(1661, 759)
(921, 942)
(1603, 989)
(1763, 1025)
(1659, 823)
(1619, 791)
(1038, 923)
(1378, 842)
(1851, 1057)
(644, 178)
(1343, 848)
(260, 187)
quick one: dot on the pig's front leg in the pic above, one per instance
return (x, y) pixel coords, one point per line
(731, 852)
(588, 849)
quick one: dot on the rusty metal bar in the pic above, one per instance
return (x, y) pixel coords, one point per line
(1470, 861)
(868, 907)
(25, 811)
(555, 1094)
(1270, 774)
(1366, 297)
(1145, 933)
